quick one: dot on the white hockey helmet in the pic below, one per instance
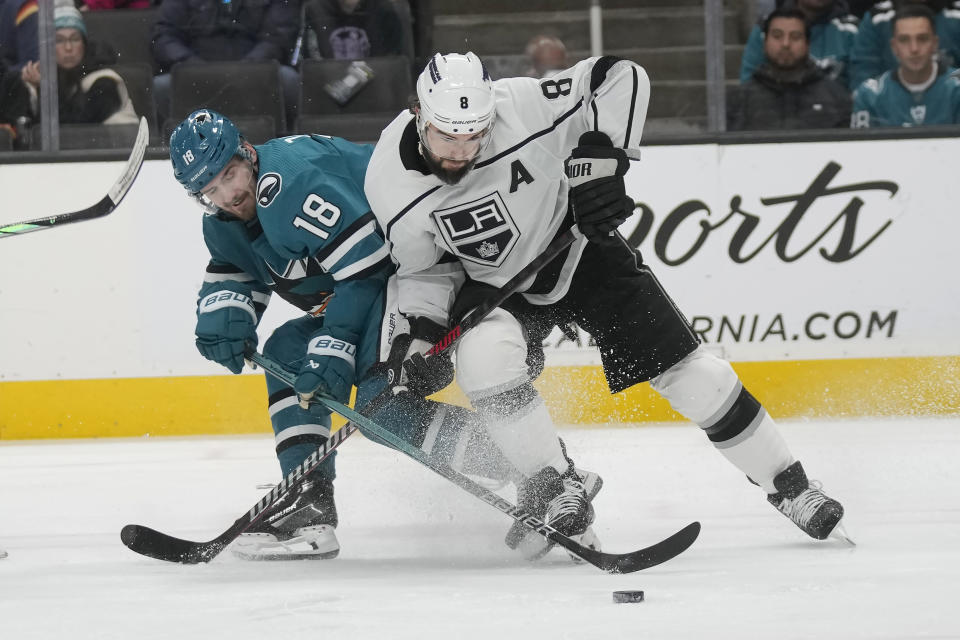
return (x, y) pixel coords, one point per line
(456, 97)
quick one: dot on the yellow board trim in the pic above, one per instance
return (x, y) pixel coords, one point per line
(195, 405)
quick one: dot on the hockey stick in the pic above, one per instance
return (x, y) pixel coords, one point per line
(156, 544)
(107, 204)
(159, 545)
(610, 562)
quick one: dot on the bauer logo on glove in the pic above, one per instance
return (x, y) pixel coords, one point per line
(578, 169)
(222, 299)
(226, 322)
(327, 346)
(328, 367)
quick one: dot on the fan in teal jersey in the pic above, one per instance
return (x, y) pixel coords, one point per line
(920, 91)
(290, 217)
(831, 38)
(872, 55)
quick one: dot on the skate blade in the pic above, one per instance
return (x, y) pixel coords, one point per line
(840, 533)
(275, 552)
(311, 543)
(257, 557)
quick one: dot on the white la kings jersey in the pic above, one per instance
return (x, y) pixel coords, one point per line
(508, 208)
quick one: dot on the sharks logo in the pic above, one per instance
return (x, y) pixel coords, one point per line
(301, 283)
(918, 113)
(268, 188)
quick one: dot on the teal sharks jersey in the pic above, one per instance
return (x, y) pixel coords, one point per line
(314, 241)
(872, 55)
(886, 102)
(831, 42)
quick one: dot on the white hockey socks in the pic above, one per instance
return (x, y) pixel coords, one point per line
(761, 454)
(706, 390)
(527, 436)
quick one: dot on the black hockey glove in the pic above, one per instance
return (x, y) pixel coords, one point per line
(598, 196)
(409, 370)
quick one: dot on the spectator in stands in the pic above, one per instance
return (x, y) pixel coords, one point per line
(920, 91)
(218, 30)
(89, 92)
(789, 90)
(18, 33)
(832, 33)
(547, 55)
(872, 54)
(354, 29)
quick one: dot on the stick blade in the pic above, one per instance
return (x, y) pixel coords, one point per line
(155, 544)
(651, 556)
(106, 204)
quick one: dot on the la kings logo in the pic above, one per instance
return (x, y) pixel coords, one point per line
(481, 231)
(268, 188)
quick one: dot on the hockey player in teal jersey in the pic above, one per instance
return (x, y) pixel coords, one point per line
(919, 91)
(290, 217)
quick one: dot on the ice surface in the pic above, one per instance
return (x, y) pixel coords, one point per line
(421, 559)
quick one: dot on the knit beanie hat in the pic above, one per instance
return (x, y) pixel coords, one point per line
(68, 17)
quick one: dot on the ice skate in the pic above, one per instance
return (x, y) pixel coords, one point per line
(532, 545)
(592, 483)
(301, 526)
(559, 500)
(802, 500)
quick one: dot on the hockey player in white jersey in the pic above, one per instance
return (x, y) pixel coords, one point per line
(474, 183)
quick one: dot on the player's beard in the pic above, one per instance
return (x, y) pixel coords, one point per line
(248, 210)
(447, 176)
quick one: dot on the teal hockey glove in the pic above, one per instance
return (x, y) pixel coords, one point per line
(329, 366)
(226, 320)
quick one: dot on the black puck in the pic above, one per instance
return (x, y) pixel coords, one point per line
(628, 596)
